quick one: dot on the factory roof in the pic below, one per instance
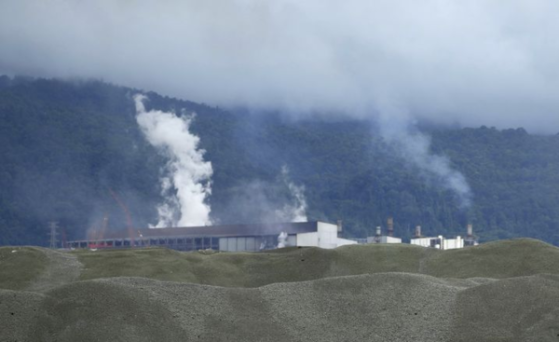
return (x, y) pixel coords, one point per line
(218, 231)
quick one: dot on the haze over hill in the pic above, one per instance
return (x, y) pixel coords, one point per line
(475, 63)
(386, 69)
(67, 147)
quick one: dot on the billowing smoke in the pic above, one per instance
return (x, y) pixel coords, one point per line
(414, 147)
(185, 181)
(296, 210)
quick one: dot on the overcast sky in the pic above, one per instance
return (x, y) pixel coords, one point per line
(474, 62)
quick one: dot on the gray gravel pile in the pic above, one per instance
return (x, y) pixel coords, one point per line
(379, 307)
(62, 268)
(517, 309)
(503, 291)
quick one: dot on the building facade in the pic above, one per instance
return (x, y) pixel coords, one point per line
(230, 238)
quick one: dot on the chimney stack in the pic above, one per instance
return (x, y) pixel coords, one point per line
(379, 232)
(470, 232)
(418, 231)
(339, 226)
(390, 223)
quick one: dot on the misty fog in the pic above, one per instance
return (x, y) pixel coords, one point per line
(453, 62)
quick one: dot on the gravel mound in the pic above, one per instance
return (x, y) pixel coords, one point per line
(501, 259)
(37, 269)
(504, 291)
(518, 309)
(379, 307)
(61, 268)
(20, 266)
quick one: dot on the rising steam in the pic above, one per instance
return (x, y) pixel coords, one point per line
(397, 129)
(185, 183)
(296, 211)
(260, 201)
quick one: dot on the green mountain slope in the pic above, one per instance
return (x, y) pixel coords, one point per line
(64, 146)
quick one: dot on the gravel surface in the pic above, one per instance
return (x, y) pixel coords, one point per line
(505, 291)
(379, 307)
(62, 268)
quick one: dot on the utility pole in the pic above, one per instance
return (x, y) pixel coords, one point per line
(53, 225)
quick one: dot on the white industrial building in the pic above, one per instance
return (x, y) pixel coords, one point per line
(230, 238)
(440, 242)
(383, 239)
(257, 237)
(390, 238)
(326, 236)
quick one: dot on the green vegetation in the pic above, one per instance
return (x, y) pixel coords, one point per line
(503, 259)
(220, 269)
(64, 145)
(20, 266)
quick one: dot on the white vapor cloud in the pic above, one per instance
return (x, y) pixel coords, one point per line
(466, 62)
(297, 210)
(185, 183)
(415, 148)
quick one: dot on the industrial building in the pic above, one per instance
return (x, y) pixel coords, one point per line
(440, 242)
(230, 238)
(257, 237)
(379, 238)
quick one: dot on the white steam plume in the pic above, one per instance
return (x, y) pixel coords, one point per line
(296, 211)
(186, 180)
(397, 129)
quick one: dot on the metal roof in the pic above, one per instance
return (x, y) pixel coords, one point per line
(218, 231)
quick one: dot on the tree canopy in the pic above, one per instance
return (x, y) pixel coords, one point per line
(65, 146)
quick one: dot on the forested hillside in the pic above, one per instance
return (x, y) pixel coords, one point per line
(67, 149)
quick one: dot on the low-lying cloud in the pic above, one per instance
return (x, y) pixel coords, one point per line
(466, 62)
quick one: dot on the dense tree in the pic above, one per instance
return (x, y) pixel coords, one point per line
(64, 146)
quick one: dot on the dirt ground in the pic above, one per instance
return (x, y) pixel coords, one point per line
(503, 291)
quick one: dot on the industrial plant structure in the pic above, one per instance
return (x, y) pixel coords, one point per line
(379, 238)
(257, 237)
(231, 238)
(440, 242)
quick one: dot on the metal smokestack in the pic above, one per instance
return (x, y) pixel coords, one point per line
(418, 231)
(470, 239)
(390, 224)
(378, 235)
